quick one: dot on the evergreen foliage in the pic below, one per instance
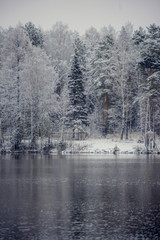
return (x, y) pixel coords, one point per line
(77, 111)
(35, 34)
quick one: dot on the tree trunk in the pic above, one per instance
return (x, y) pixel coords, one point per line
(49, 134)
(147, 123)
(148, 113)
(105, 115)
(41, 135)
(1, 131)
(31, 120)
(18, 135)
(141, 118)
(123, 116)
(123, 97)
(154, 140)
(127, 109)
(122, 132)
(140, 103)
(106, 107)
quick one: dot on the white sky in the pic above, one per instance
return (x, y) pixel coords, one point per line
(80, 14)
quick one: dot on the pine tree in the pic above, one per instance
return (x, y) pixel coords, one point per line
(139, 36)
(101, 65)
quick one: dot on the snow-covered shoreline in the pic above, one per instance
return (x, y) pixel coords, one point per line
(90, 146)
(104, 146)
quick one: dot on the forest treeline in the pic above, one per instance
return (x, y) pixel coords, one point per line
(53, 82)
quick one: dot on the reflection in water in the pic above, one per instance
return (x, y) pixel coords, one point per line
(73, 197)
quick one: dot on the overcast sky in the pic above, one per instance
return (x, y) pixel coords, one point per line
(80, 14)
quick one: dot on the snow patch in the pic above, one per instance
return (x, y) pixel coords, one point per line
(104, 146)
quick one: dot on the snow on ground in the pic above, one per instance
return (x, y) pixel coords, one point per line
(105, 145)
(108, 145)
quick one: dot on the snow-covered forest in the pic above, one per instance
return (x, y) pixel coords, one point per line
(55, 82)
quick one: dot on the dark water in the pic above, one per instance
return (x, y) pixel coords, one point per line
(71, 197)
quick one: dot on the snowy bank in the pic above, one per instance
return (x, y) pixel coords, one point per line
(103, 146)
(109, 145)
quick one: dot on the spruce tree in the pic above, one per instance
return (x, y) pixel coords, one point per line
(139, 36)
(77, 110)
(149, 65)
(35, 34)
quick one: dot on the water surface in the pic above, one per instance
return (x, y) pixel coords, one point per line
(78, 197)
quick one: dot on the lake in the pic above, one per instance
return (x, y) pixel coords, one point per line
(47, 197)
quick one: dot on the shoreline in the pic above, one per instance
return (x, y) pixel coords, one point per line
(91, 146)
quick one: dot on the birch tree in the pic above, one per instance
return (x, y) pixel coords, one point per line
(15, 48)
(125, 68)
(39, 85)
